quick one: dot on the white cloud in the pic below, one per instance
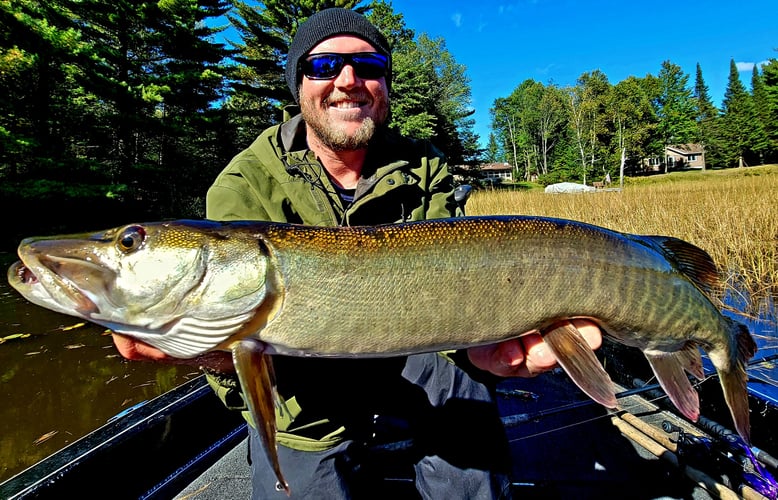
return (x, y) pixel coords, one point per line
(744, 66)
(457, 18)
(749, 66)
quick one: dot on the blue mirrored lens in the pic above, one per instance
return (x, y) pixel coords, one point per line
(368, 65)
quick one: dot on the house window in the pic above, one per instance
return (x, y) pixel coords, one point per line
(691, 158)
(670, 161)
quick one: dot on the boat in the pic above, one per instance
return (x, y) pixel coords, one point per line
(184, 444)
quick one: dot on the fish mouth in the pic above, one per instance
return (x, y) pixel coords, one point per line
(67, 282)
(22, 274)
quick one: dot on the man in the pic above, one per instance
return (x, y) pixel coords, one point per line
(352, 426)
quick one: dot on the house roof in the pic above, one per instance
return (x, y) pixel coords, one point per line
(686, 149)
(496, 167)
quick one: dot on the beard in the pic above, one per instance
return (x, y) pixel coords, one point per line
(335, 134)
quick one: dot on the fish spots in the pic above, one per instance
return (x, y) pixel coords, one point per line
(417, 237)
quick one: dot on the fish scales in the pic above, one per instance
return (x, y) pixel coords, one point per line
(399, 289)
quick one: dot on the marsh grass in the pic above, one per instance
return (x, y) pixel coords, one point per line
(732, 214)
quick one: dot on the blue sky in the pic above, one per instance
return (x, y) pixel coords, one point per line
(503, 43)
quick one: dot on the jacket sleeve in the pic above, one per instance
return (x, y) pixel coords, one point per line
(441, 187)
(231, 198)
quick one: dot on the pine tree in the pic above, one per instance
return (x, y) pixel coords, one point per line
(707, 117)
(42, 105)
(739, 117)
(770, 79)
(761, 142)
(675, 107)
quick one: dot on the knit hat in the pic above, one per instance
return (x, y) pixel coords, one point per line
(326, 24)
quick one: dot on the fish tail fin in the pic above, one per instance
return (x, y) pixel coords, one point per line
(670, 369)
(577, 358)
(255, 373)
(734, 378)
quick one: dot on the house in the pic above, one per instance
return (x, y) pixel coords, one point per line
(677, 157)
(497, 172)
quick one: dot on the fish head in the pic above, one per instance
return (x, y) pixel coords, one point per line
(182, 286)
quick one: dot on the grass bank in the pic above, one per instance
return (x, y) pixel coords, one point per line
(732, 214)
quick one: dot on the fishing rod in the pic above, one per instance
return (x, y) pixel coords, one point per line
(522, 418)
(641, 388)
(722, 451)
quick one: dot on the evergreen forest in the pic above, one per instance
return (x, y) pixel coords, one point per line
(127, 110)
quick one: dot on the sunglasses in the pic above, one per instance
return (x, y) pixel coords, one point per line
(326, 66)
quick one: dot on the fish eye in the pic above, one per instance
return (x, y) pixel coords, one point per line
(131, 239)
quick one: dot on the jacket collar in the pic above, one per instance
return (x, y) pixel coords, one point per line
(293, 134)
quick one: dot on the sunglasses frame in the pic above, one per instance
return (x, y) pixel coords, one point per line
(342, 59)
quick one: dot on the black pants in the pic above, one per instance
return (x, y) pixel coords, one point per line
(459, 450)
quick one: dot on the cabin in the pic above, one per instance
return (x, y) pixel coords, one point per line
(497, 173)
(677, 157)
(488, 173)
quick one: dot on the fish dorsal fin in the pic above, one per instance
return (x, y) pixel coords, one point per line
(691, 260)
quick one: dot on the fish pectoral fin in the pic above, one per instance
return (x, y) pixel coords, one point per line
(670, 370)
(577, 358)
(255, 373)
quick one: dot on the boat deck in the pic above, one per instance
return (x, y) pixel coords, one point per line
(564, 447)
(186, 445)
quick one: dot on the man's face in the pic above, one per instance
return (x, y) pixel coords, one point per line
(344, 112)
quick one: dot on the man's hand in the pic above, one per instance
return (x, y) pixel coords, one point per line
(130, 348)
(527, 355)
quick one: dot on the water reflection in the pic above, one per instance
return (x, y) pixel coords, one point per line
(62, 380)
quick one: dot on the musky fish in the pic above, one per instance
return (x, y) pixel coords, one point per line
(260, 288)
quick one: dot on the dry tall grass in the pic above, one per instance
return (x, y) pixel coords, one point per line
(732, 214)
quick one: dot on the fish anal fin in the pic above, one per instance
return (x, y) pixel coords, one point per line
(670, 370)
(577, 358)
(255, 373)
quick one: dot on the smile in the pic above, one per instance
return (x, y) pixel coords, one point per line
(347, 104)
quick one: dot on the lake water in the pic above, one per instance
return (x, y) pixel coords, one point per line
(62, 380)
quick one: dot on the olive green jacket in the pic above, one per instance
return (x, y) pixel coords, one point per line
(277, 178)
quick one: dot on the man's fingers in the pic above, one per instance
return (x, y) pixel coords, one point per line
(132, 349)
(136, 350)
(527, 355)
(539, 356)
(590, 331)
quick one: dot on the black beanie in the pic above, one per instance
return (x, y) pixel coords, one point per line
(326, 24)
